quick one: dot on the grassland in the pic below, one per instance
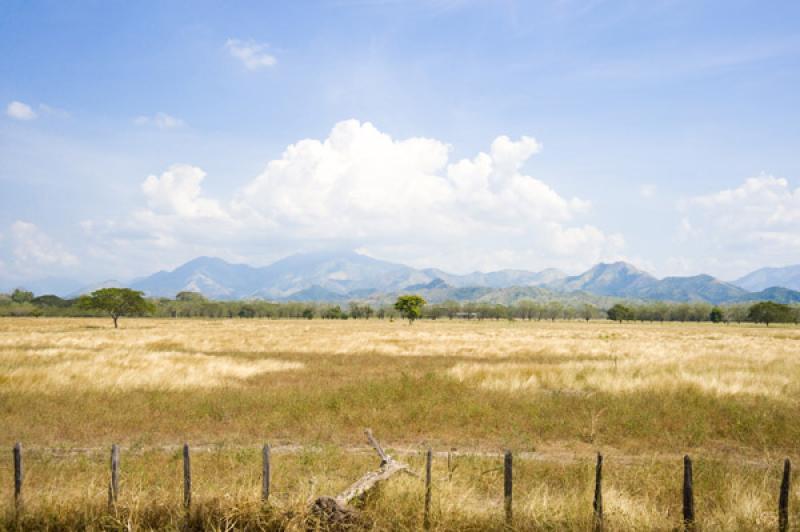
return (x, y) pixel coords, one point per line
(555, 393)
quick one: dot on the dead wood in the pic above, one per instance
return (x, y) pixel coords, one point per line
(336, 513)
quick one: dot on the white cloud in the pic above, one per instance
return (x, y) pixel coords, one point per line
(159, 120)
(177, 191)
(34, 251)
(759, 220)
(20, 111)
(508, 156)
(252, 54)
(400, 199)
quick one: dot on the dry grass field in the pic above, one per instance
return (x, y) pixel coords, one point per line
(554, 393)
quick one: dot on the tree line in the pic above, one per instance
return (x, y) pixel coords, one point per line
(194, 305)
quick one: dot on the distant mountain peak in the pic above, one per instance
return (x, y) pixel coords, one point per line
(763, 278)
(345, 274)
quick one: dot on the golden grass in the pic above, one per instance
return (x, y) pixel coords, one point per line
(643, 394)
(467, 493)
(718, 377)
(166, 370)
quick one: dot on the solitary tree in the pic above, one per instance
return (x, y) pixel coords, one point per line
(410, 306)
(768, 312)
(620, 312)
(21, 295)
(716, 315)
(116, 302)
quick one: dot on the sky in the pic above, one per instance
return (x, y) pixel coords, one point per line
(464, 135)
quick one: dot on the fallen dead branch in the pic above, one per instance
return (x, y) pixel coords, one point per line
(336, 512)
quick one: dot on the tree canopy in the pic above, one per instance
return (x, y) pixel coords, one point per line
(21, 295)
(410, 306)
(620, 312)
(768, 312)
(116, 302)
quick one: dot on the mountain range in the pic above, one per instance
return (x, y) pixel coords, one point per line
(345, 276)
(786, 277)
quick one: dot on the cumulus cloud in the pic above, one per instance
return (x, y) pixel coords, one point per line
(400, 199)
(33, 250)
(177, 191)
(20, 111)
(253, 55)
(159, 120)
(759, 219)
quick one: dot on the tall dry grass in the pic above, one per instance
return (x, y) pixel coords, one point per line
(641, 393)
(69, 492)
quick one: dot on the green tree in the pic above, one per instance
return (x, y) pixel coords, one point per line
(410, 306)
(620, 312)
(588, 311)
(50, 300)
(247, 311)
(187, 295)
(554, 310)
(737, 313)
(116, 302)
(768, 312)
(21, 296)
(333, 313)
(716, 315)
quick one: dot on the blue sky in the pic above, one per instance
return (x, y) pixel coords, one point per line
(458, 134)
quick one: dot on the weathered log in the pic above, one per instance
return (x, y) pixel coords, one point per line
(336, 512)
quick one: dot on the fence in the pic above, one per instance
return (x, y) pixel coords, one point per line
(689, 517)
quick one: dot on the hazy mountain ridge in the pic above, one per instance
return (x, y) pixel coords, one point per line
(763, 278)
(345, 276)
(616, 279)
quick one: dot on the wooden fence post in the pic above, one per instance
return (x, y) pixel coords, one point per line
(508, 486)
(426, 517)
(265, 473)
(688, 494)
(597, 505)
(113, 487)
(450, 463)
(783, 499)
(187, 478)
(18, 477)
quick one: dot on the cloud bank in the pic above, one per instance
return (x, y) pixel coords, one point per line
(400, 199)
(754, 224)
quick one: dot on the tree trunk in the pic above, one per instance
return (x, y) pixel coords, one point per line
(115, 318)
